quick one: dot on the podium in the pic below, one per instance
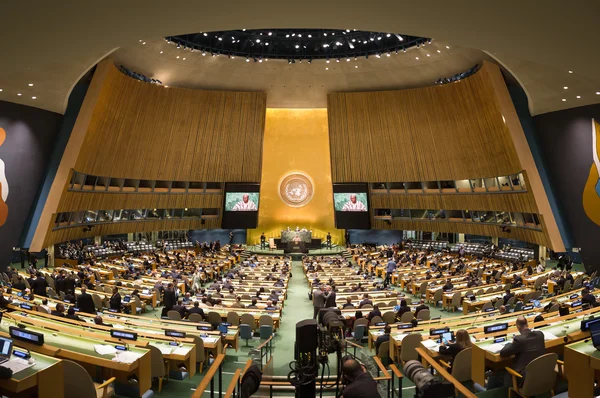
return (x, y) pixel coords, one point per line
(295, 247)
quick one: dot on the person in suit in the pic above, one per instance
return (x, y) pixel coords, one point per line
(59, 284)
(375, 312)
(526, 346)
(588, 298)
(507, 296)
(448, 285)
(517, 281)
(196, 310)
(420, 307)
(365, 301)
(169, 298)
(39, 285)
(115, 300)
(85, 303)
(348, 303)
(72, 315)
(462, 341)
(319, 300)
(59, 310)
(331, 295)
(383, 338)
(98, 321)
(403, 308)
(70, 297)
(180, 308)
(4, 302)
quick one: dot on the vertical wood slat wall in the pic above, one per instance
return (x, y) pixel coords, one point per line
(146, 131)
(445, 132)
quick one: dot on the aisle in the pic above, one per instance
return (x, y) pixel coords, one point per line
(297, 308)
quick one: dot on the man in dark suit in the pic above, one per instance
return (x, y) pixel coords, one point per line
(383, 338)
(179, 307)
(420, 307)
(507, 296)
(39, 285)
(526, 346)
(331, 295)
(517, 281)
(169, 298)
(375, 312)
(365, 301)
(588, 298)
(448, 285)
(115, 300)
(59, 311)
(59, 284)
(196, 310)
(70, 283)
(85, 303)
(319, 300)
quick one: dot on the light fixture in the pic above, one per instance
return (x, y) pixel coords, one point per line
(597, 92)
(287, 35)
(19, 94)
(326, 68)
(388, 35)
(247, 59)
(310, 36)
(378, 37)
(356, 66)
(270, 33)
(564, 100)
(297, 46)
(177, 57)
(388, 54)
(220, 39)
(400, 38)
(570, 71)
(33, 97)
(578, 97)
(161, 52)
(0, 89)
(438, 51)
(417, 58)
(448, 47)
(566, 88)
(325, 45)
(327, 60)
(428, 55)
(30, 84)
(378, 55)
(183, 58)
(337, 60)
(258, 40)
(203, 54)
(144, 43)
(347, 59)
(205, 34)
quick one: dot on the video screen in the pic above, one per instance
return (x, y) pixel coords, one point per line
(355, 201)
(351, 205)
(240, 206)
(241, 201)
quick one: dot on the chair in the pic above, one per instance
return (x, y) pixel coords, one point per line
(461, 365)
(265, 331)
(266, 320)
(424, 315)
(486, 306)
(366, 307)
(245, 332)
(78, 382)
(536, 295)
(498, 303)
(200, 354)
(248, 319)
(389, 317)
(541, 377)
(409, 347)
(174, 315)
(214, 318)
(519, 306)
(359, 333)
(42, 309)
(97, 301)
(107, 289)
(528, 297)
(422, 289)
(511, 301)
(233, 318)
(407, 317)
(384, 353)
(52, 293)
(455, 302)
(554, 308)
(361, 321)
(62, 295)
(195, 318)
(139, 307)
(159, 368)
(567, 287)
(392, 303)
(437, 297)
(375, 320)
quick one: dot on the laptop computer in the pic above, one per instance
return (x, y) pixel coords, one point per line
(5, 349)
(595, 333)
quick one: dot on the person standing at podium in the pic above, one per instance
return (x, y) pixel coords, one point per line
(263, 240)
(329, 240)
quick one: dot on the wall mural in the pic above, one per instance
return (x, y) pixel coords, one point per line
(3, 184)
(591, 191)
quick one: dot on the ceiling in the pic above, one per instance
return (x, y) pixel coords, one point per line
(52, 44)
(298, 85)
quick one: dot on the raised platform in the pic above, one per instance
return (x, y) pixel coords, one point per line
(255, 249)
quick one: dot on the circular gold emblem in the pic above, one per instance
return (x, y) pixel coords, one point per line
(296, 189)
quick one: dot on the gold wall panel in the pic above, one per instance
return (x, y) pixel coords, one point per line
(445, 132)
(296, 140)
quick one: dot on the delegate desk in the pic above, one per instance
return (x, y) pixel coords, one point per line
(556, 330)
(582, 368)
(81, 350)
(46, 377)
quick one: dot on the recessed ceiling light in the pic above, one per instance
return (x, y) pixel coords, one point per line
(564, 100)
(33, 97)
(326, 68)
(184, 58)
(570, 71)
(439, 51)
(416, 58)
(1, 90)
(355, 66)
(144, 43)
(579, 96)
(19, 94)
(448, 47)
(30, 84)
(177, 57)
(566, 88)
(428, 55)
(597, 92)
(161, 52)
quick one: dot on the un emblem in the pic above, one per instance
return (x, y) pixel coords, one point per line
(296, 189)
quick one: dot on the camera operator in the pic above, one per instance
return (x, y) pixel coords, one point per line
(360, 384)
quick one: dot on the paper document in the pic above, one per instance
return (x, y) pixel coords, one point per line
(181, 351)
(495, 348)
(105, 349)
(548, 335)
(127, 356)
(164, 349)
(400, 336)
(430, 343)
(210, 339)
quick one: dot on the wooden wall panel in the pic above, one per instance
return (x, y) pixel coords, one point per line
(516, 202)
(79, 201)
(523, 234)
(146, 131)
(447, 132)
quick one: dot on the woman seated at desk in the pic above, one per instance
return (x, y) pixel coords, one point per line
(463, 340)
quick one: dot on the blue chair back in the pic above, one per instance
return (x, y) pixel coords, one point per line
(266, 331)
(359, 332)
(245, 331)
